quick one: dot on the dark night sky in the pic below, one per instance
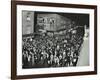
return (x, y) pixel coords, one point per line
(80, 19)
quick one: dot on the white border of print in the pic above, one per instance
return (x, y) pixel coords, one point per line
(35, 71)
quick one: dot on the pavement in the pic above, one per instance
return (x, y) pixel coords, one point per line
(84, 53)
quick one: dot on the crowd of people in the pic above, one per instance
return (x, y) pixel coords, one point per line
(42, 50)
